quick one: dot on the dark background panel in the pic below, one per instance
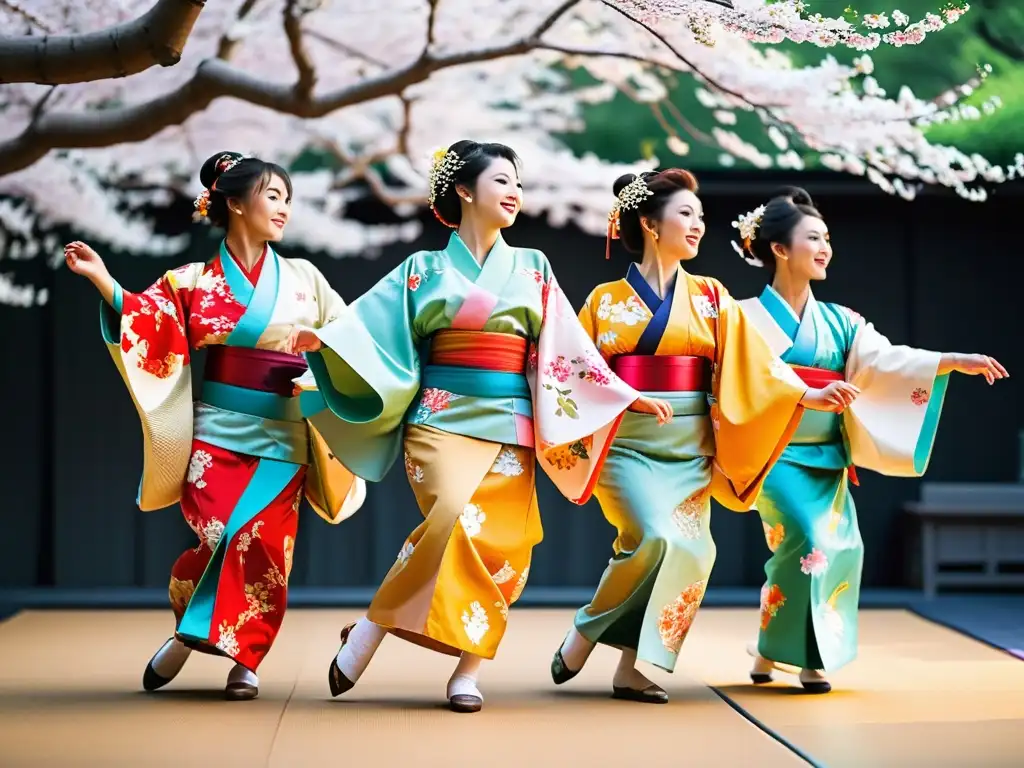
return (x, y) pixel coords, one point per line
(938, 273)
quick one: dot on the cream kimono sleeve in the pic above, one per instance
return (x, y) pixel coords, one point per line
(367, 374)
(891, 425)
(145, 334)
(756, 407)
(332, 490)
(577, 401)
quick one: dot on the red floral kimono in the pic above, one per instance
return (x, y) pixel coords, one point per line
(239, 458)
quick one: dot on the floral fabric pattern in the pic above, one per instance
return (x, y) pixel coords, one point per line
(677, 617)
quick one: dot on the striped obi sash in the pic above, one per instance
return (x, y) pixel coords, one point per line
(478, 364)
(247, 403)
(819, 378)
(664, 373)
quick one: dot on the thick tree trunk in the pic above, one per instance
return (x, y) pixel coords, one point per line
(157, 37)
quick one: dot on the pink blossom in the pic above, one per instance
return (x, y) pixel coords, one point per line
(559, 369)
(814, 564)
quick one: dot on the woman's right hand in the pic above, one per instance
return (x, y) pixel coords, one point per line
(836, 397)
(83, 260)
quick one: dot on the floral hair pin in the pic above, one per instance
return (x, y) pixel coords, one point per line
(444, 165)
(202, 201)
(629, 197)
(747, 224)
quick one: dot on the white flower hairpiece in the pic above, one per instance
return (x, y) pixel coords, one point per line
(747, 224)
(629, 197)
(443, 167)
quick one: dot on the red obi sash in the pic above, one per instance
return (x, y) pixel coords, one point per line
(259, 369)
(664, 373)
(819, 378)
(504, 352)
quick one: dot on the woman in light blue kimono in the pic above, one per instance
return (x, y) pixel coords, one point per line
(809, 601)
(468, 361)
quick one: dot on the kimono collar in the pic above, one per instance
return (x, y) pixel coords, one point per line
(644, 290)
(783, 314)
(463, 259)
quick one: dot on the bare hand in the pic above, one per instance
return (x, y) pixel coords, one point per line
(83, 260)
(302, 340)
(836, 397)
(659, 408)
(974, 365)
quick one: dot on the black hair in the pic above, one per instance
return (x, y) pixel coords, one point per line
(787, 208)
(475, 157)
(249, 175)
(662, 184)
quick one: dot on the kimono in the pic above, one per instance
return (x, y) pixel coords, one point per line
(240, 458)
(809, 600)
(468, 373)
(735, 406)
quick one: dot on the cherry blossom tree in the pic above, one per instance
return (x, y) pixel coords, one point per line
(368, 90)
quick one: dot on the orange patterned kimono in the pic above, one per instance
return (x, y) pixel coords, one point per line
(735, 407)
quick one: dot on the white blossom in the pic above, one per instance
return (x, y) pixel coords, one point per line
(380, 145)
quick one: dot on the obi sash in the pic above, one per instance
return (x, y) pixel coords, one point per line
(248, 403)
(477, 364)
(664, 373)
(819, 378)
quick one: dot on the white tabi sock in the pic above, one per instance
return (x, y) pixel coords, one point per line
(626, 674)
(363, 641)
(171, 658)
(812, 676)
(576, 650)
(240, 674)
(463, 679)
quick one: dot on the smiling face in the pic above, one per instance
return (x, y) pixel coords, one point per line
(681, 226)
(267, 210)
(497, 196)
(809, 251)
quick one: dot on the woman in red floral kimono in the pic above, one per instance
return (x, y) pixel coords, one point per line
(240, 458)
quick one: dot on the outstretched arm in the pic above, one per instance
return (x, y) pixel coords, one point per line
(972, 365)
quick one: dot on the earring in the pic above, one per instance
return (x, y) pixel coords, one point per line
(655, 234)
(469, 199)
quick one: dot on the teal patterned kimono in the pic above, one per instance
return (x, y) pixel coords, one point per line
(809, 601)
(529, 384)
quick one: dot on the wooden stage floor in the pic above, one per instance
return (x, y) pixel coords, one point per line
(919, 695)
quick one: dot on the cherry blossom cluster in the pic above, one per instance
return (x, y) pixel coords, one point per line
(494, 70)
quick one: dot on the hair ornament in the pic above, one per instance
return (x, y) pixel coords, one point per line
(225, 163)
(444, 164)
(629, 197)
(747, 224)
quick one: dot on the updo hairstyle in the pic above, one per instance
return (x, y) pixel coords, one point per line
(663, 185)
(228, 175)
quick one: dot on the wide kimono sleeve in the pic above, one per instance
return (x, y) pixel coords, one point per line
(366, 375)
(145, 334)
(577, 401)
(755, 409)
(891, 425)
(332, 490)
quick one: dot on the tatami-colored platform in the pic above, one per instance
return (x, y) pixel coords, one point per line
(919, 695)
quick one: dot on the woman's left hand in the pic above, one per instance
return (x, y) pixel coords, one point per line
(659, 408)
(303, 340)
(983, 365)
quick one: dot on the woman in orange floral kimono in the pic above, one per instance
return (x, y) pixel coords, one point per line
(241, 457)
(680, 337)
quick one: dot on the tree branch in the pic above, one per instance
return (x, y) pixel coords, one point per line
(346, 49)
(293, 30)
(156, 37)
(431, 20)
(215, 78)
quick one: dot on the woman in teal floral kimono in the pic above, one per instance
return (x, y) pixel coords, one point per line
(809, 601)
(468, 362)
